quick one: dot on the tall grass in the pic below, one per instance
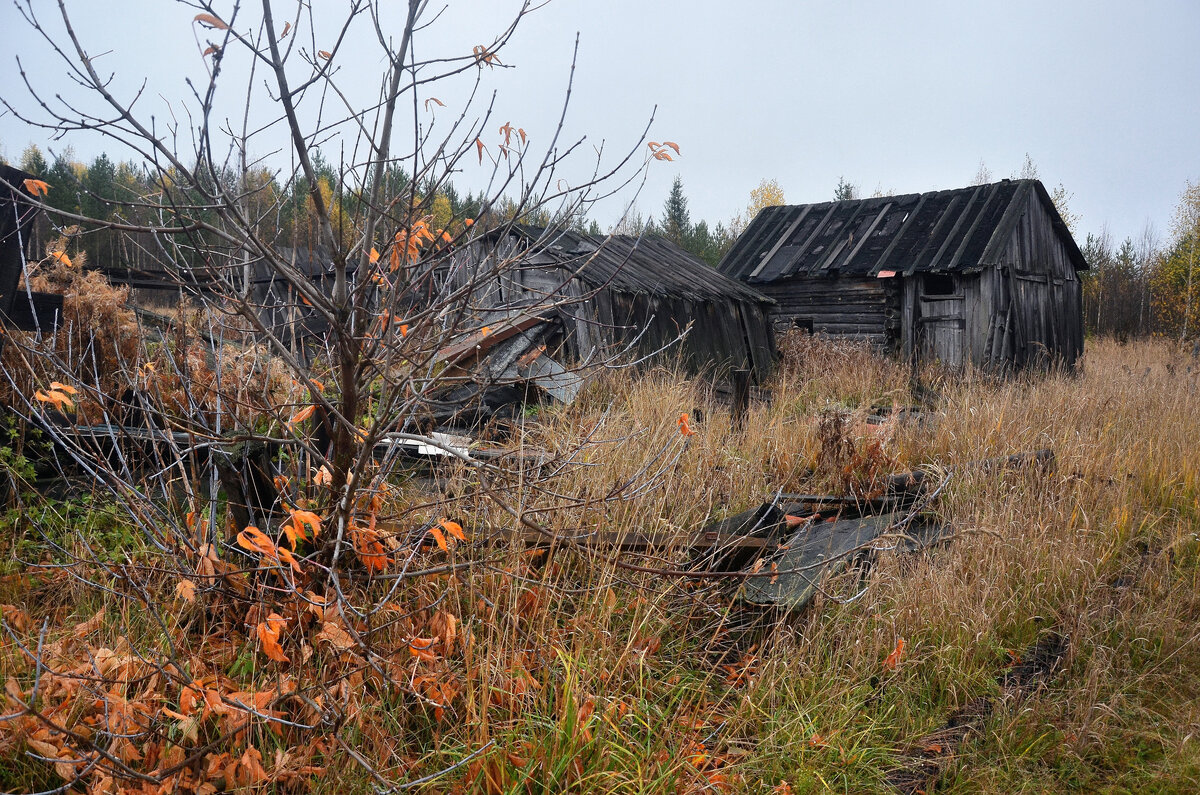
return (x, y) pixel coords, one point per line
(580, 671)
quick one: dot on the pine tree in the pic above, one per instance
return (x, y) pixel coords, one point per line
(33, 162)
(676, 222)
(845, 191)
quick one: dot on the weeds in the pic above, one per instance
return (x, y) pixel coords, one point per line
(564, 672)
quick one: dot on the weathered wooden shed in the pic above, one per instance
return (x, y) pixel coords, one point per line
(986, 275)
(619, 291)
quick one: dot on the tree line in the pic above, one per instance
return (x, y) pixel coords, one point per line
(1134, 288)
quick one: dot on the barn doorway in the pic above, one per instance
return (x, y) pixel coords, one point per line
(941, 322)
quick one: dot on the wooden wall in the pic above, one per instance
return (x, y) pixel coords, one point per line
(1038, 298)
(864, 308)
(599, 320)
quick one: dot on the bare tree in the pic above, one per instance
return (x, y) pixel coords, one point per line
(253, 442)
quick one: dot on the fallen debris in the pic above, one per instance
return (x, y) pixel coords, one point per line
(841, 529)
(924, 762)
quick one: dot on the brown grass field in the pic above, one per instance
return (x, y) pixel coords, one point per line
(584, 675)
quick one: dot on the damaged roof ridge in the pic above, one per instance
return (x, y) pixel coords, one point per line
(646, 263)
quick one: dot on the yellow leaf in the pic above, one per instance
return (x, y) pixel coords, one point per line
(210, 21)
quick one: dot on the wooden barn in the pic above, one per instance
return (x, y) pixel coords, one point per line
(616, 292)
(987, 275)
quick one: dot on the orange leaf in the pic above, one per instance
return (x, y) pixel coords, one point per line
(684, 428)
(673, 145)
(294, 534)
(254, 540)
(660, 155)
(403, 329)
(56, 397)
(301, 415)
(209, 50)
(268, 635)
(446, 238)
(440, 538)
(468, 222)
(323, 477)
(374, 255)
(61, 258)
(894, 658)
(324, 54)
(486, 330)
(287, 26)
(479, 147)
(36, 187)
(210, 21)
(421, 648)
(521, 132)
(454, 529)
(309, 518)
(435, 100)
(186, 590)
(652, 145)
(370, 550)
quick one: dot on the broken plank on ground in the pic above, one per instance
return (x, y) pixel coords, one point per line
(814, 553)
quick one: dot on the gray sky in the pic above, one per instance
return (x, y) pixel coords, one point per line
(903, 96)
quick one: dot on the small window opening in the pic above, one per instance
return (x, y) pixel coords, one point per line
(805, 323)
(939, 284)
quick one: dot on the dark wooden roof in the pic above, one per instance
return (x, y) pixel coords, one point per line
(948, 230)
(647, 264)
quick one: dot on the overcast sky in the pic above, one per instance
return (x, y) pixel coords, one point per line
(901, 96)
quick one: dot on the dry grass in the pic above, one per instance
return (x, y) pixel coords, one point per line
(587, 676)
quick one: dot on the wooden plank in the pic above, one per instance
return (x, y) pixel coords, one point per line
(43, 314)
(779, 243)
(812, 555)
